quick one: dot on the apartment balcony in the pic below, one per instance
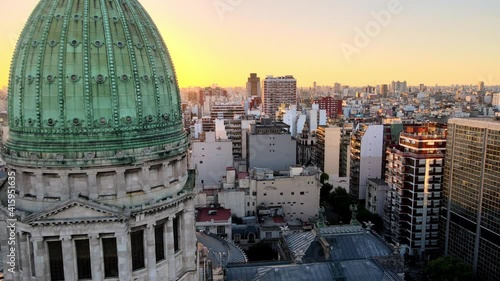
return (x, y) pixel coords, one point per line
(439, 136)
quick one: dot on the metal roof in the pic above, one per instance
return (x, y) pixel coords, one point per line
(221, 251)
(355, 270)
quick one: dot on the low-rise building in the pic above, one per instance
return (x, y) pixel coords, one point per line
(214, 220)
(375, 198)
(210, 158)
(296, 191)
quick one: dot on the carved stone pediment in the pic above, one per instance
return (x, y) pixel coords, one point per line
(77, 211)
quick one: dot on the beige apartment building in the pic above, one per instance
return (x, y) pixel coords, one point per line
(297, 191)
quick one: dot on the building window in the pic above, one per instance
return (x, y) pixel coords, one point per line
(201, 162)
(83, 259)
(281, 193)
(293, 193)
(253, 203)
(254, 193)
(265, 194)
(176, 233)
(221, 230)
(137, 242)
(159, 242)
(237, 238)
(110, 257)
(56, 260)
(269, 235)
(248, 204)
(251, 238)
(302, 193)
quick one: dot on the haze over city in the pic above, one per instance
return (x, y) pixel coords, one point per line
(221, 41)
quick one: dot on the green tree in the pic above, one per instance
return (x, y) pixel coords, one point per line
(340, 201)
(324, 177)
(448, 269)
(324, 192)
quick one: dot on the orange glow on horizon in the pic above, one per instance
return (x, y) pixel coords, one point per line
(209, 46)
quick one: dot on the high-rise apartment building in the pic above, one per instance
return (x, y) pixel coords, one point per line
(332, 106)
(384, 90)
(398, 86)
(253, 86)
(367, 142)
(345, 150)
(327, 150)
(495, 100)
(414, 171)
(480, 86)
(277, 91)
(336, 88)
(471, 195)
(230, 115)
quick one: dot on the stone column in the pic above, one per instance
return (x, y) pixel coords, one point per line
(65, 187)
(124, 255)
(170, 249)
(92, 181)
(166, 173)
(189, 241)
(161, 174)
(69, 258)
(146, 186)
(24, 256)
(150, 252)
(40, 255)
(39, 188)
(96, 257)
(121, 184)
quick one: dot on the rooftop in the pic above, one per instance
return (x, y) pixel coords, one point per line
(487, 122)
(229, 253)
(366, 270)
(216, 214)
(378, 181)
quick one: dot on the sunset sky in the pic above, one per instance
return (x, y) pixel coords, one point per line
(222, 41)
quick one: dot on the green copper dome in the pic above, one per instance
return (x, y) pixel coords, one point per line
(92, 81)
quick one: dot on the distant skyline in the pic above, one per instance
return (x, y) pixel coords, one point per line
(365, 42)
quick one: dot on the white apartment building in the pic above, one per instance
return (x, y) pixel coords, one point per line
(210, 158)
(327, 151)
(367, 149)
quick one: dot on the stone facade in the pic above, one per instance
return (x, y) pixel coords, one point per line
(79, 219)
(98, 149)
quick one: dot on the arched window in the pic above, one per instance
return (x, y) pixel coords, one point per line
(251, 237)
(237, 238)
